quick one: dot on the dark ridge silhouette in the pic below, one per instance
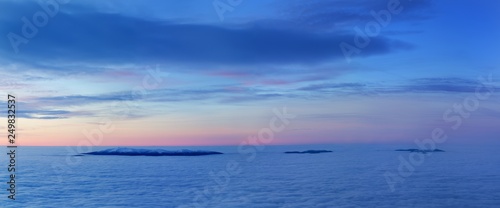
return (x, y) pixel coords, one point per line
(148, 152)
(308, 152)
(420, 151)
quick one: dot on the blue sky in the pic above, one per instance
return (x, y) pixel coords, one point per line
(217, 77)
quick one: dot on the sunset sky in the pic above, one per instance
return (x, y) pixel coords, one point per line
(212, 75)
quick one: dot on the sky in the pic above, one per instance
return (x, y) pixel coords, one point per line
(203, 72)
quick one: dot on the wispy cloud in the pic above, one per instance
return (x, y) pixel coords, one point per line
(232, 94)
(420, 85)
(342, 15)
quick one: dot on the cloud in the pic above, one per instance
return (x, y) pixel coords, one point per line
(342, 15)
(230, 94)
(316, 87)
(442, 85)
(420, 85)
(40, 114)
(111, 38)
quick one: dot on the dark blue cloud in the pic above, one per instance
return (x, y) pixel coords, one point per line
(92, 37)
